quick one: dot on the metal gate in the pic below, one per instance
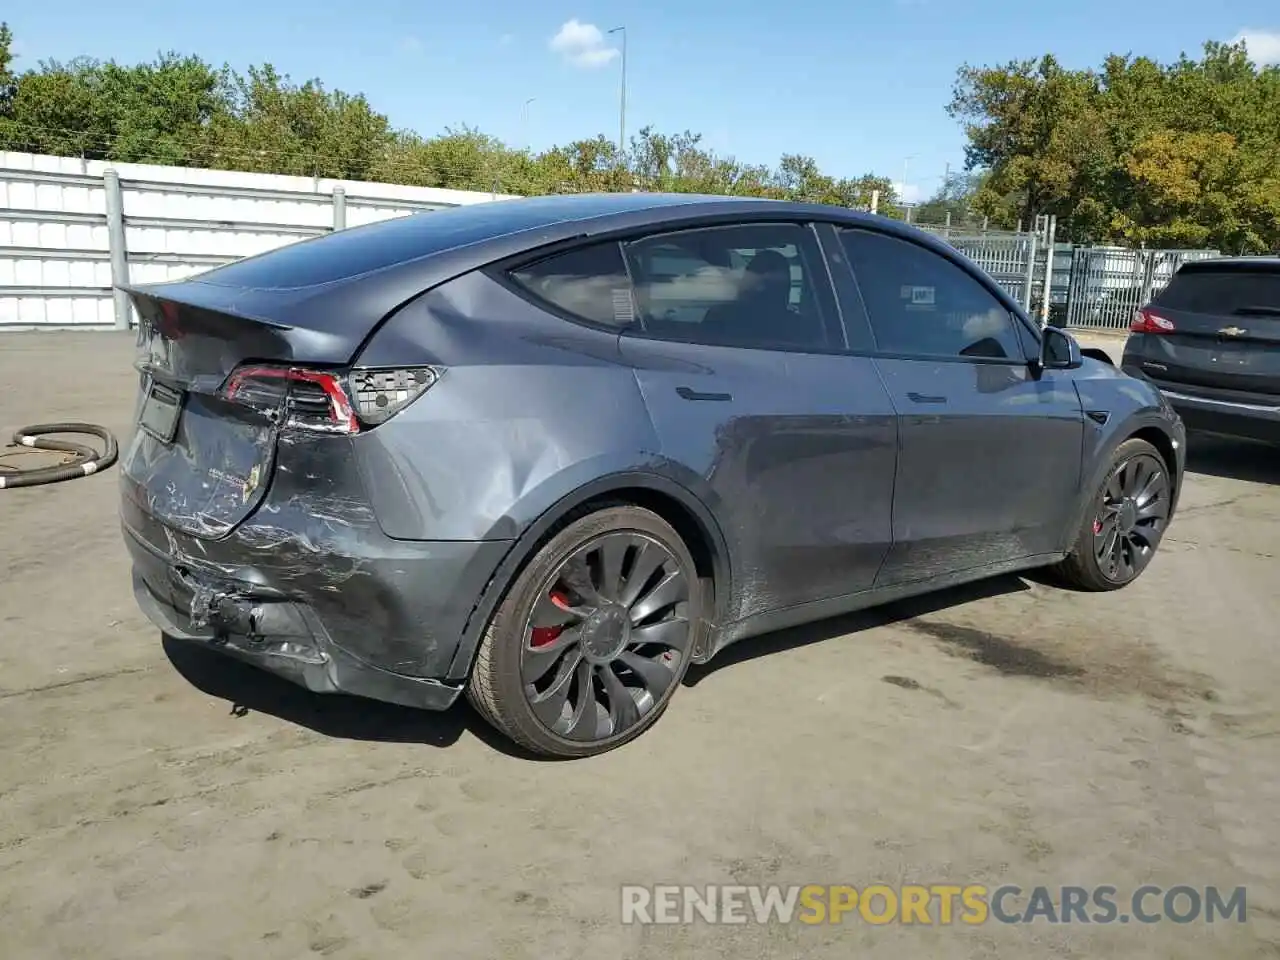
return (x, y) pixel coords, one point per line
(1109, 283)
(1017, 261)
(1009, 260)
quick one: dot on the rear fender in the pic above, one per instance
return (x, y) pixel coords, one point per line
(548, 520)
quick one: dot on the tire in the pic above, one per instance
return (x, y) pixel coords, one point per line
(1136, 467)
(612, 648)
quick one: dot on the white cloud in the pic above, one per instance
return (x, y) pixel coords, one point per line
(582, 44)
(1263, 45)
(410, 44)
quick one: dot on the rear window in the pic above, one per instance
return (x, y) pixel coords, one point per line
(359, 250)
(590, 283)
(1224, 292)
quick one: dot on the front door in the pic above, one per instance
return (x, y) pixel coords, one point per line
(989, 451)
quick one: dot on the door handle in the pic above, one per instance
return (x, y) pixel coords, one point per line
(689, 393)
(924, 398)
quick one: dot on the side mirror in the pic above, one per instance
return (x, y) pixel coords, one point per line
(1059, 350)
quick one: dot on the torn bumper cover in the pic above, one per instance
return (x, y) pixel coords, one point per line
(390, 635)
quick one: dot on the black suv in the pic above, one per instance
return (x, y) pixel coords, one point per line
(1211, 341)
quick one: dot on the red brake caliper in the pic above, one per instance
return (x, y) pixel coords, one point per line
(541, 636)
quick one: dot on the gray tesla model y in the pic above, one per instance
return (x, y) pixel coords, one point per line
(550, 452)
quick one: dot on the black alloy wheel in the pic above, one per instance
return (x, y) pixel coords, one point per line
(606, 637)
(1131, 517)
(593, 638)
(1125, 523)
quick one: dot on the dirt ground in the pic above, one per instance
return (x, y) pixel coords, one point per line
(157, 801)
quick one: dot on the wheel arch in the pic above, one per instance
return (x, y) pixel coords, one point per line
(1141, 426)
(669, 499)
(1164, 444)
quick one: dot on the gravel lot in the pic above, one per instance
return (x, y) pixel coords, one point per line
(158, 801)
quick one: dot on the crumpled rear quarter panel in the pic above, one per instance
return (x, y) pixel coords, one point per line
(399, 606)
(529, 407)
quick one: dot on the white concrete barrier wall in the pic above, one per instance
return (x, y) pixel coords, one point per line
(55, 239)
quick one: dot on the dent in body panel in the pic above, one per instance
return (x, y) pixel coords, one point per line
(989, 464)
(461, 463)
(528, 406)
(212, 474)
(794, 457)
(314, 540)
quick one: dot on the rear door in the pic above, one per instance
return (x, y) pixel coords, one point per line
(740, 358)
(989, 452)
(1217, 326)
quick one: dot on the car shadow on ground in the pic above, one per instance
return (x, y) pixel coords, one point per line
(1233, 459)
(249, 690)
(823, 630)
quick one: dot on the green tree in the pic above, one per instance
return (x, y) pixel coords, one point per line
(1136, 152)
(955, 198)
(1035, 127)
(155, 112)
(275, 126)
(6, 69)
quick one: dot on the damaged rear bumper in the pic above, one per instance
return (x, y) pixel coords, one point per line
(307, 659)
(388, 635)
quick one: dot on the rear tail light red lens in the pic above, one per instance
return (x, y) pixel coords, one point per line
(308, 399)
(326, 401)
(1147, 321)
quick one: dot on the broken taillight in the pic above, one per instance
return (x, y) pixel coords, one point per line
(380, 394)
(309, 399)
(1145, 320)
(327, 401)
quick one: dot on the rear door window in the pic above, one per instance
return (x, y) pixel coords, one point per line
(1229, 292)
(589, 283)
(921, 304)
(749, 285)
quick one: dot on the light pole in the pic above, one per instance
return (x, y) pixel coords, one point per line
(902, 199)
(524, 122)
(622, 107)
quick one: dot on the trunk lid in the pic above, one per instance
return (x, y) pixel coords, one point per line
(205, 445)
(1225, 318)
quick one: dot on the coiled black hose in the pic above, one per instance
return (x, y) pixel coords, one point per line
(87, 460)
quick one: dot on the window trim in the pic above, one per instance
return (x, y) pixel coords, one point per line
(856, 325)
(1017, 322)
(829, 302)
(829, 314)
(503, 273)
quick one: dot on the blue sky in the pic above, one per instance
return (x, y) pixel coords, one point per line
(860, 86)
